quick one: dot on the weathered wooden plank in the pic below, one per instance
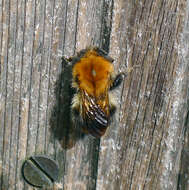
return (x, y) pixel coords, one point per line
(145, 152)
(184, 49)
(84, 155)
(142, 147)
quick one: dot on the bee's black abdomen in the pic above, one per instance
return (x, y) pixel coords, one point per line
(96, 122)
(95, 128)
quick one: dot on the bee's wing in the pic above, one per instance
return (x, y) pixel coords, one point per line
(95, 115)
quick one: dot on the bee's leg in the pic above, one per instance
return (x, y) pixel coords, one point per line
(69, 59)
(65, 62)
(112, 109)
(119, 78)
(76, 117)
(112, 104)
(117, 81)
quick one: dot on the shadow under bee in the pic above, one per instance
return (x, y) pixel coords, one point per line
(61, 121)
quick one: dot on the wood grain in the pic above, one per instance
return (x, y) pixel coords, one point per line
(143, 147)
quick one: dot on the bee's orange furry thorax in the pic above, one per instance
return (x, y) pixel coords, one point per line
(93, 73)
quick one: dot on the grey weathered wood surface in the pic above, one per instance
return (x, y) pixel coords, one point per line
(143, 147)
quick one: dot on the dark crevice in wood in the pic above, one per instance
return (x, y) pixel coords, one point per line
(106, 24)
(94, 157)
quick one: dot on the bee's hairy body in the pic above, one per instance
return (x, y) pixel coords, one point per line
(93, 78)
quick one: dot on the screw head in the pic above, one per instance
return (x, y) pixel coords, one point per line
(40, 171)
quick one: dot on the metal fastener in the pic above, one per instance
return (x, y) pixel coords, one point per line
(40, 171)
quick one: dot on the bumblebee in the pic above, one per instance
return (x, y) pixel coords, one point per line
(93, 78)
